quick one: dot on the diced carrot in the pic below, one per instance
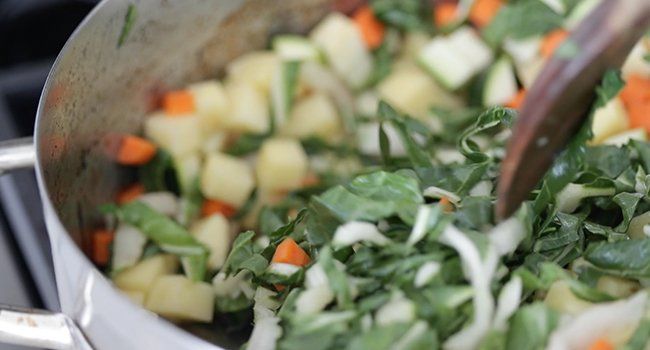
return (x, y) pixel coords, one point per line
(130, 193)
(445, 13)
(517, 100)
(552, 41)
(135, 151)
(636, 89)
(446, 204)
(177, 103)
(639, 115)
(211, 207)
(310, 180)
(601, 344)
(289, 252)
(372, 30)
(483, 11)
(101, 246)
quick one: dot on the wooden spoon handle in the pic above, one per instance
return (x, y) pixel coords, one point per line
(560, 98)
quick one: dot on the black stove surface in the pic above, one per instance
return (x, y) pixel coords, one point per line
(31, 32)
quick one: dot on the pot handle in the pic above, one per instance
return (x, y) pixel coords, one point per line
(17, 154)
(42, 329)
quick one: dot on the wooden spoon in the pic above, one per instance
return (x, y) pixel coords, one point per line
(561, 96)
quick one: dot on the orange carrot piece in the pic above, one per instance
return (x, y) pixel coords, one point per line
(135, 151)
(372, 30)
(636, 89)
(211, 207)
(179, 102)
(130, 193)
(483, 11)
(601, 344)
(101, 252)
(446, 204)
(289, 252)
(445, 13)
(552, 41)
(517, 100)
(639, 115)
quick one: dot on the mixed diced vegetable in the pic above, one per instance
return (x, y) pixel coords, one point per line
(337, 190)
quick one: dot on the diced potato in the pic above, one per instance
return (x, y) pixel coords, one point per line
(281, 165)
(609, 120)
(214, 143)
(211, 104)
(636, 62)
(214, 233)
(412, 91)
(341, 41)
(636, 229)
(136, 296)
(560, 298)
(528, 71)
(617, 287)
(623, 138)
(522, 50)
(249, 109)
(227, 179)
(178, 298)
(413, 44)
(315, 115)
(187, 169)
(255, 68)
(141, 276)
(366, 104)
(178, 135)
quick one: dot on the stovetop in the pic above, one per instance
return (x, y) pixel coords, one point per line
(31, 32)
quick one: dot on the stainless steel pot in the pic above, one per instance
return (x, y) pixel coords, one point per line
(96, 90)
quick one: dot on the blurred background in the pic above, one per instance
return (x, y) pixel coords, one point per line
(32, 32)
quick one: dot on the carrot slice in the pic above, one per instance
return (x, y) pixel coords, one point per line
(130, 193)
(372, 30)
(445, 13)
(552, 41)
(211, 207)
(135, 151)
(289, 252)
(636, 89)
(179, 102)
(483, 11)
(639, 115)
(517, 100)
(101, 252)
(601, 344)
(446, 204)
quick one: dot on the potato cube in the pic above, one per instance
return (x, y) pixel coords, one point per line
(228, 179)
(136, 297)
(412, 91)
(141, 276)
(315, 115)
(211, 104)
(214, 233)
(560, 298)
(255, 68)
(609, 120)
(179, 298)
(249, 109)
(178, 135)
(187, 170)
(341, 41)
(281, 165)
(617, 286)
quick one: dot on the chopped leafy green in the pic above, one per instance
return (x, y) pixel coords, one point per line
(402, 14)
(159, 174)
(522, 19)
(530, 327)
(625, 258)
(129, 20)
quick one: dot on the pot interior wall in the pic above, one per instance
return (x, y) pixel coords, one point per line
(100, 89)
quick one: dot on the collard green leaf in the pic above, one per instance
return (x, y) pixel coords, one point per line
(628, 203)
(337, 279)
(624, 258)
(406, 128)
(520, 20)
(380, 337)
(611, 161)
(569, 231)
(490, 118)
(159, 174)
(382, 186)
(610, 87)
(406, 15)
(458, 179)
(244, 257)
(531, 326)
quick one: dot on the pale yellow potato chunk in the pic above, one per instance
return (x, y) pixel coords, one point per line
(609, 120)
(249, 109)
(141, 276)
(560, 298)
(315, 115)
(211, 104)
(179, 135)
(179, 298)
(214, 232)
(227, 178)
(255, 68)
(281, 165)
